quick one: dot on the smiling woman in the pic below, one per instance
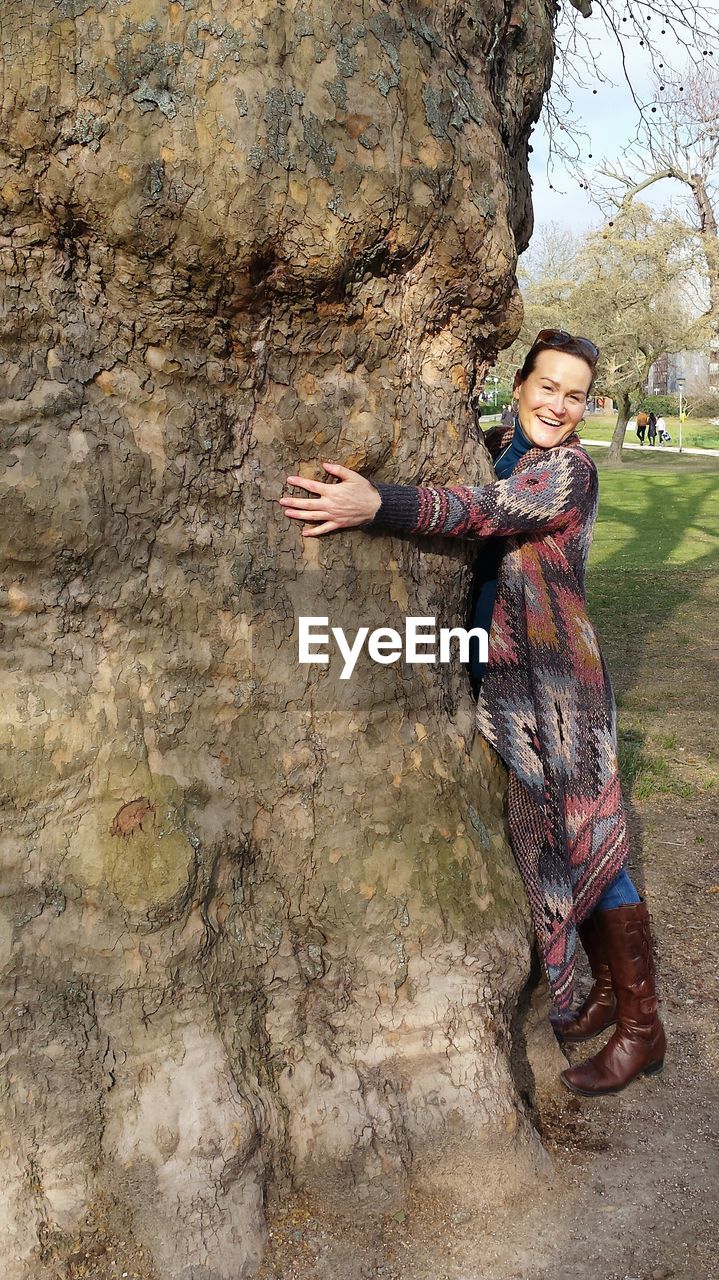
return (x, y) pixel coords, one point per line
(544, 697)
(552, 388)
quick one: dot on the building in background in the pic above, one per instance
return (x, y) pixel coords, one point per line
(658, 380)
(700, 370)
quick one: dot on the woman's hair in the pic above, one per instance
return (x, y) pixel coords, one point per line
(579, 347)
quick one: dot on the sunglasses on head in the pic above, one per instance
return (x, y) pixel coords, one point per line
(559, 338)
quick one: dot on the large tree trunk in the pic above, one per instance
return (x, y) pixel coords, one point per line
(614, 453)
(260, 925)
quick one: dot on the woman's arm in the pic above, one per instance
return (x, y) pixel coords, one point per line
(545, 497)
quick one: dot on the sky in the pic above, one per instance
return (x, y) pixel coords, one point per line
(609, 117)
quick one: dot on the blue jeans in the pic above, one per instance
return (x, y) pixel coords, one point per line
(620, 893)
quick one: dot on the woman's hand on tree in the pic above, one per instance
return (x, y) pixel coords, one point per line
(352, 502)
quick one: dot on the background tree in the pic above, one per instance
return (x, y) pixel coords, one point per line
(646, 35)
(682, 144)
(548, 276)
(629, 286)
(635, 276)
(260, 927)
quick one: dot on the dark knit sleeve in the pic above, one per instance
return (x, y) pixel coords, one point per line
(399, 509)
(545, 497)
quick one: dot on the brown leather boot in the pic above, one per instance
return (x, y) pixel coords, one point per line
(638, 1044)
(599, 1010)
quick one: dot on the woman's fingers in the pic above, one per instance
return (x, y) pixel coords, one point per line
(328, 527)
(318, 486)
(308, 504)
(336, 506)
(303, 482)
(344, 473)
(302, 513)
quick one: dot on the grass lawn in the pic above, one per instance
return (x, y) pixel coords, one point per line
(657, 511)
(653, 593)
(697, 433)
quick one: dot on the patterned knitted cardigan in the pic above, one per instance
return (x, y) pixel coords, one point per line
(546, 702)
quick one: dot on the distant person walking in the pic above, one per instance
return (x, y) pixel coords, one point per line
(642, 421)
(507, 419)
(652, 429)
(662, 433)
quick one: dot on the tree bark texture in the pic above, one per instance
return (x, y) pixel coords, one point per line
(260, 926)
(709, 232)
(614, 453)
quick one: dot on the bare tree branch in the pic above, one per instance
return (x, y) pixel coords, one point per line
(687, 29)
(683, 145)
(633, 190)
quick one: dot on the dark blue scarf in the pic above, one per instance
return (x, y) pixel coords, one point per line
(486, 566)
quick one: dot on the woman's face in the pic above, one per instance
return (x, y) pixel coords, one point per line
(553, 397)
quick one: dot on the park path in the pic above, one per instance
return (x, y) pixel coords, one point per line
(663, 448)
